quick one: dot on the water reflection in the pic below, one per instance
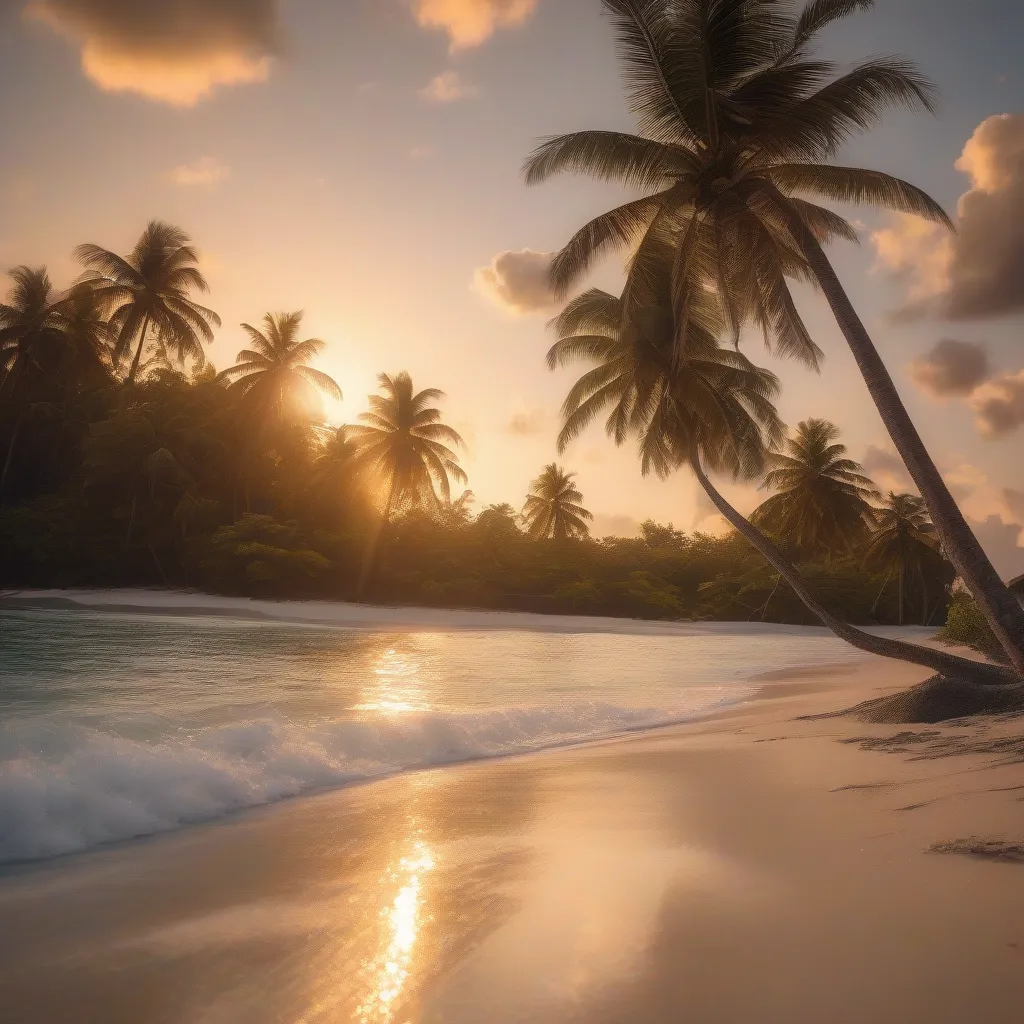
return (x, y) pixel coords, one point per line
(397, 687)
(403, 919)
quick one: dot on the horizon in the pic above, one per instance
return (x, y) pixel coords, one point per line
(421, 248)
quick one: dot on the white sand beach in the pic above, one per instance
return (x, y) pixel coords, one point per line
(756, 866)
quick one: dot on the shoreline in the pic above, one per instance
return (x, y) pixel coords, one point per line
(344, 615)
(754, 865)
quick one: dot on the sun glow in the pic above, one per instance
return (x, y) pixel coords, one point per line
(399, 686)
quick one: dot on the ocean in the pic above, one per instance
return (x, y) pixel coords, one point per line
(115, 726)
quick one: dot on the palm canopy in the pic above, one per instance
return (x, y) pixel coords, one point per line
(404, 446)
(41, 332)
(554, 507)
(685, 401)
(736, 120)
(150, 288)
(903, 537)
(823, 499)
(273, 375)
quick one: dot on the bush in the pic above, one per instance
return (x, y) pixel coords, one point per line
(967, 627)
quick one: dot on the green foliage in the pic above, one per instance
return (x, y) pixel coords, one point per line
(258, 555)
(966, 627)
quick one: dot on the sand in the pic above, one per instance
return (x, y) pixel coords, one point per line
(758, 866)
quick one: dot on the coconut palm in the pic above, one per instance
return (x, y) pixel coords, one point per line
(273, 377)
(406, 451)
(148, 291)
(43, 336)
(823, 502)
(554, 507)
(904, 543)
(737, 123)
(703, 406)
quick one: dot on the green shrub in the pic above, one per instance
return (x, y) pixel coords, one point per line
(966, 627)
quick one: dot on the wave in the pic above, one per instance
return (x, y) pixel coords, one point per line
(68, 787)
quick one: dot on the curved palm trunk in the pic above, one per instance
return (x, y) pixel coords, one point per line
(1000, 607)
(899, 650)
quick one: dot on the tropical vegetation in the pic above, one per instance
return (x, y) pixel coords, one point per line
(738, 122)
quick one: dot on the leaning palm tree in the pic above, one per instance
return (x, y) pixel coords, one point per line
(148, 290)
(554, 507)
(406, 452)
(702, 406)
(737, 123)
(822, 505)
(904, 544)
(273, 376)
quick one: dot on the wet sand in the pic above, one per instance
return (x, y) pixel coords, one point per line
(751, 867)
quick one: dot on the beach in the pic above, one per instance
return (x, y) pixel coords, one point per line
(757, 865)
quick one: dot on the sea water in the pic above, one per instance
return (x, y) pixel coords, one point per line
(114, 726)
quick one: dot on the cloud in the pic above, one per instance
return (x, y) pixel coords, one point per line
(472, 22)
(886, 468)
(1014, 503)
(951, 368)
(519, 281)
(422, 152)
(207, 171)
(448, 87)
(978, 272)
(999, 405)
(527, 423)
(173, 51)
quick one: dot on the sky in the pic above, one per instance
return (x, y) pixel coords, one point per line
(360, 160)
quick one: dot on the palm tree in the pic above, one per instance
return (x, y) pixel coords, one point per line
(554, 507)
(703, 406)
(904, 543)
(736, 125)
(150, 289)
(407, 451)
(273, 376)
(41, 336)
(823, 500)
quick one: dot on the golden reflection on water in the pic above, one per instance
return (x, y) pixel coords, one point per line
(403, 920)
(397, 688)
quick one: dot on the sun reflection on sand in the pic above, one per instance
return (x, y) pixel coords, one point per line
(403, 919)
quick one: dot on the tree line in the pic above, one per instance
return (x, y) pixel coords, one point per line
(738, 122)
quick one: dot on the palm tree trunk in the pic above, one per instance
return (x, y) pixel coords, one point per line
(10, 447)
(947, 664)
(878, 600)
(1001, 609)
(370, 557)
(130, 379)
(901, 595)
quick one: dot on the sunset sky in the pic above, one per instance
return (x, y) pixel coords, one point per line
(360, 159)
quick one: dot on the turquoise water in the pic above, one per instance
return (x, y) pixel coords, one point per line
(114, 726)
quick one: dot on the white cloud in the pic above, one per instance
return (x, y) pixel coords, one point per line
(978, 272)
(519, 281)
(448, 87)
(173, 51)
(472, 22)
(205, 172)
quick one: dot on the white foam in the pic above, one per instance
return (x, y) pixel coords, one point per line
(66, 788)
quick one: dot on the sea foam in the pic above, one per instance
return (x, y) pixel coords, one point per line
(66, 787)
